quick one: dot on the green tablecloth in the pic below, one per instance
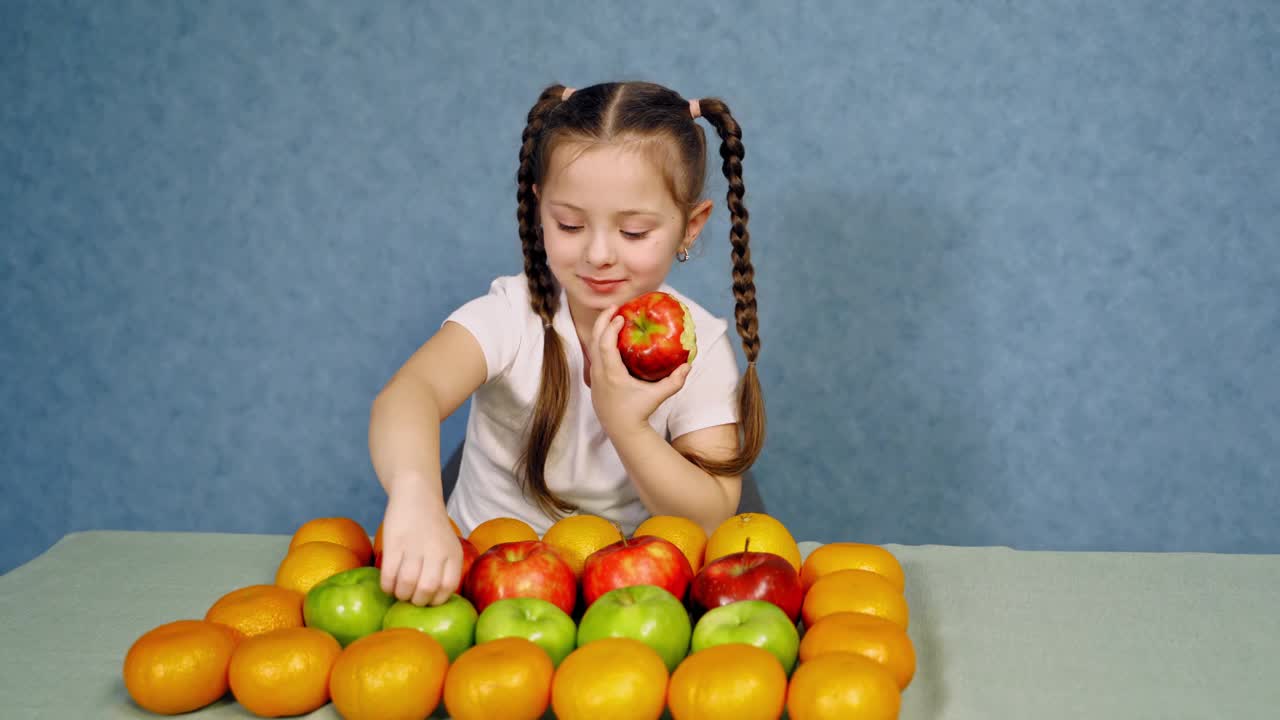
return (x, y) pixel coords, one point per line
(999, 633)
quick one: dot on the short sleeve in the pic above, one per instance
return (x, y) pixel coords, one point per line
(710, 393)
(496, 320)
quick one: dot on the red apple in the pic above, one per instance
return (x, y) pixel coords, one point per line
(529, 568)
(646, 560)
(657, 337)
(748, 576)
(469, 555)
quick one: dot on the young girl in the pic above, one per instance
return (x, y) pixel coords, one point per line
(608, 197)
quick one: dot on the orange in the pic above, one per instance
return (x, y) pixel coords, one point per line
(881, 640)
(764, 533)
(843, 686)
(395, 674)
(679, 531)
(179, 666)
(851, 556)
(500, 530)
(309, 563)
(615, 678)
(257, 609)
(283, 672)
(577, 536)
(340, 530)
(733, 680)
(507, 678)
(854, 591)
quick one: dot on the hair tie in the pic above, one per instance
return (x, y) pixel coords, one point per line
(695, 109)
(567, 92)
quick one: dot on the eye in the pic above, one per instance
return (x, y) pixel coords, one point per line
(635, 235)
(569, 228)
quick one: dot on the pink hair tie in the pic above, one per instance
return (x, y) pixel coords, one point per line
(695, 109)
(565, 95)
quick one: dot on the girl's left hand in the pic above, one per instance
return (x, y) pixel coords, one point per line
(622, 402)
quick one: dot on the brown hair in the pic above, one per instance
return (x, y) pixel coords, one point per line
(658, 120)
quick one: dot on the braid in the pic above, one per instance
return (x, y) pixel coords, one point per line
(744, 289)
(553, 390)
(541, 289)
(750, 395)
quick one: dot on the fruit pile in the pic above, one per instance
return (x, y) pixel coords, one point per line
(583, 622)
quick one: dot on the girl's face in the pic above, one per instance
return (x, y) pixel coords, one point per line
(610, 227)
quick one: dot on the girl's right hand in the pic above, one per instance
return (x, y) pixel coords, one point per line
(421, 555)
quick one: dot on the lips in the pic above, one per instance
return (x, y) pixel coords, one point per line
(601, 285)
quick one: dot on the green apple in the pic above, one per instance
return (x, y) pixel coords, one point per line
(533, 619)
(754, 622)
(646, 613)
(348, 605)
(452, 623)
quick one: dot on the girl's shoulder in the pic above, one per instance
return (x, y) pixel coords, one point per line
(513, 288)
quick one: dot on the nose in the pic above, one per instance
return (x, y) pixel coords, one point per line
(600, 251)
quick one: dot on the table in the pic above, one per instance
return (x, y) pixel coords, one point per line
(999, 633)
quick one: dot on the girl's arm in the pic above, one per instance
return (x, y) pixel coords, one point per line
(666, 482)
(421, 560)
(404, 424)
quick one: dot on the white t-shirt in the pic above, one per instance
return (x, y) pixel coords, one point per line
(582, 465)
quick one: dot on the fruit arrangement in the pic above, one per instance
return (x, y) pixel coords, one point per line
(582, 622)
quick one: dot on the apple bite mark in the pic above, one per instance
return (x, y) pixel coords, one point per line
(688, 338)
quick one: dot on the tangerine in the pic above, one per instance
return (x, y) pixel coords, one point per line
(860, 591)
(283, 672)
(340, 530)
(308, 564)
(851, 556)
(507, 678)
(843, 686)
(681, 532)
(879, 639)
(733, 680)
(500, 530)
(615, 678)
(180, 666)
(765, 533)
(578, 536)
(394, 674)
(257, 609)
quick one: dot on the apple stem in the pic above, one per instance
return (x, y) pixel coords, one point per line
(746, 544)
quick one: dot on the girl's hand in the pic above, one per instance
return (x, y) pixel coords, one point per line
(421, 555)
(623, 403)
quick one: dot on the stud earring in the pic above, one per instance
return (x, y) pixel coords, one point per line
(682, 255)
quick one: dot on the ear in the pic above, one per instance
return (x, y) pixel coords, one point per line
(697, 220)
(535, 192)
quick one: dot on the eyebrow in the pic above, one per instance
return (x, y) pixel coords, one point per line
(620, 212)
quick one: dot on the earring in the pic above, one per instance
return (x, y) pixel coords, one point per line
(682, 255)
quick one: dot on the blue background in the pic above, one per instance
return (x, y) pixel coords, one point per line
(1018, 263)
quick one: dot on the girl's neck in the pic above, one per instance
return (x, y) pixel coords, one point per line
(584, 320)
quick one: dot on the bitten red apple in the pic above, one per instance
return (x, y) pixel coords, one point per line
(646, 560)
(529, 568)
(657, 337)
(748, 576)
